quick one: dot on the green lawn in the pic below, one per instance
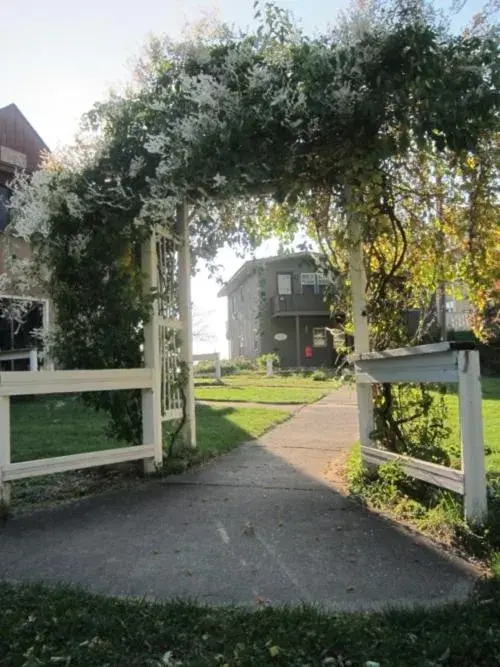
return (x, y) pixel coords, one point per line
(64, 626)
(56, 426)
(219, 429)
(491, 423)
(259, 394)
(262, 380)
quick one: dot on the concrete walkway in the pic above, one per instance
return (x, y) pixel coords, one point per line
(260, 525)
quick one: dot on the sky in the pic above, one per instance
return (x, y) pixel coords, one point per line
(61, 56)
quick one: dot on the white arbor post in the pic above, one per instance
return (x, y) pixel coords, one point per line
(186, 313)
(4, 447)
(269, 367)
(471, 429)
(361, 331)
(151, 398)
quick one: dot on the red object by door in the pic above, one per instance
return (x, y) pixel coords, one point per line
(308, 352)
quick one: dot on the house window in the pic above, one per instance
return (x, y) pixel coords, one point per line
(233, 306)
(322, 279)
(338, 337)
(242, 294)
(4, 211)
(319, 337)
(284, 283)
(307, 279)
(308, 283)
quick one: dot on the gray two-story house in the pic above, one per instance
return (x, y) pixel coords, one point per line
(277, 304)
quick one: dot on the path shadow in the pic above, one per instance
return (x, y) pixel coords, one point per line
(248, 528)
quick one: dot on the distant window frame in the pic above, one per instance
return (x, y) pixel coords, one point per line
(319, 337)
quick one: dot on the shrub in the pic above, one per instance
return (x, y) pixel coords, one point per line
(242, 364)
(228, 366)
(263, 359)
(204, 367)
(319, 376)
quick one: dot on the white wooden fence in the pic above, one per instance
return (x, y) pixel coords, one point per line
(437, 363)
(167, 345)
(20, 383)
(215, 357)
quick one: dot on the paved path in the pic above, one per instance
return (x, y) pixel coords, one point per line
(260, 524)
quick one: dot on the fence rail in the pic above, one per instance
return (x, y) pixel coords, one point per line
(20, 383)
(213, 356)
(437, 363)
(36, 468)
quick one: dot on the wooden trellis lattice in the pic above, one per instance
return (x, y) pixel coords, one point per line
(167, 337)
(170, 325)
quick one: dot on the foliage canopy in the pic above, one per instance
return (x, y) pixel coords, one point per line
(257, 133)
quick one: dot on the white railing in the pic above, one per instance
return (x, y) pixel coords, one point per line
(438, 363)
(215, 357)
(20, 383)
(16, 355)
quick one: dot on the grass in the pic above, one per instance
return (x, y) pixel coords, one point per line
(262, 380)
(56, 427)
(65, 626)
(259, 394)
(221, 429)
(491, 423)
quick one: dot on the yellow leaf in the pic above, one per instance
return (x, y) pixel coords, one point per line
(274, 651)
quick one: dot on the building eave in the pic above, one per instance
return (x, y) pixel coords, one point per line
(245, 269)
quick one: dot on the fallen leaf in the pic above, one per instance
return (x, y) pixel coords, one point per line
(274, 651)
(249, 528)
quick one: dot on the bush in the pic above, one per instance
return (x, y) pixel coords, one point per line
(228, 366)
(204, 367)
(242, 364)
(263, 359)
(319, 376)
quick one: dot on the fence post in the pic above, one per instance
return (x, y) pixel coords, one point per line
(471, 429)
(186, 314)
(218, 371)
(33, 360)
(4, 447)
(269, 367)
(361, 331)
(151, 398)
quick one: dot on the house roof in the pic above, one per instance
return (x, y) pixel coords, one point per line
(17, 134)
(251, 265)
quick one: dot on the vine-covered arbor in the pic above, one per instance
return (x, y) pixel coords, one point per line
(235, 137)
